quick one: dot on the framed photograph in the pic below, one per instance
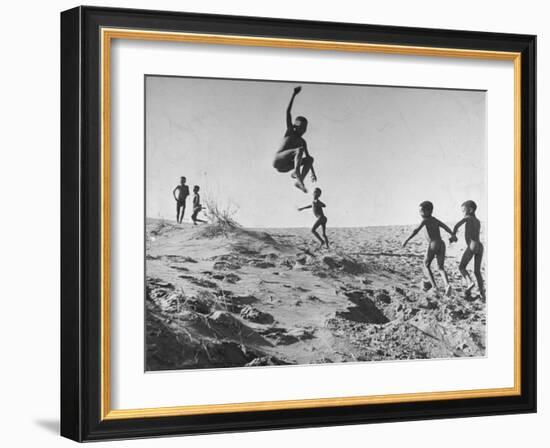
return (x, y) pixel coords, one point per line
(276, 224)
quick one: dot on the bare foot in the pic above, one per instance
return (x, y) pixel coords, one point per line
(300, 185)
(469, 288)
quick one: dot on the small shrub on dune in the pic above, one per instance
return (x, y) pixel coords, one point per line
(221, 218)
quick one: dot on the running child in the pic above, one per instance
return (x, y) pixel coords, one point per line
(436, 246)
(474, 248)
(180, 195)
(197, 206)
(293, 154)
(317, 207)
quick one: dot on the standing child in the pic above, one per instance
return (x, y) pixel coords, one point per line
(180, 195)
(293, 154)
(474, 248)
(436, 246)
(317, 207)
(197, 207)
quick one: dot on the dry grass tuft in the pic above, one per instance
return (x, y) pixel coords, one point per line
(221, 217)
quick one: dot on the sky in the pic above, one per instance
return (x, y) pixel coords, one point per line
(379, 151)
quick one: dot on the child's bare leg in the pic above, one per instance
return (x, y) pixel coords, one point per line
(429, 273)
(318, 236)
(445, 278)
(298, 157)
(427, 267)
(197, 219)
(307, 163)
(324, 227)
(178, 206)
(477, 271)
(314, 231)
(441, 269)
(466, 257)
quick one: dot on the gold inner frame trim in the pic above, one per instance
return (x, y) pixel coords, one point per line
(107, 35)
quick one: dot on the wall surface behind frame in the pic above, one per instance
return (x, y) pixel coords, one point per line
(29, 178)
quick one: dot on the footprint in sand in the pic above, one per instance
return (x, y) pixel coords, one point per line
(227, 277)
(199, 281)
(179, 268)
(180, 259)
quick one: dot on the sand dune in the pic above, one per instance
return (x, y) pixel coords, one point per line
(227, 297)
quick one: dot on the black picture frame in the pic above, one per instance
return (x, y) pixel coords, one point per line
(81, 224)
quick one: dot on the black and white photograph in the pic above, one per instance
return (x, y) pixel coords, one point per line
(307, 223)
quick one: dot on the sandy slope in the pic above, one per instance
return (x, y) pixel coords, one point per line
(259, 297)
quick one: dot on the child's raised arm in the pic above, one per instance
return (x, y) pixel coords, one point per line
(413, 234)
(303, 208)
(289, 108)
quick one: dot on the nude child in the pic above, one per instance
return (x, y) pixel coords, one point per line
(436, 246)
(293, 154)
(321, 220)
(180, 195)
(474, 248)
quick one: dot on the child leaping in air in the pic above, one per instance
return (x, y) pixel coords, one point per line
(293, 154)
(317, 207)
(474, 248)
(436, 246)
(197, 206)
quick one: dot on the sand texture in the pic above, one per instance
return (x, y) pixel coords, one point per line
(232, 297)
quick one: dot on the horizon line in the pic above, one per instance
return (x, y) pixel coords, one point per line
(304, 227)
